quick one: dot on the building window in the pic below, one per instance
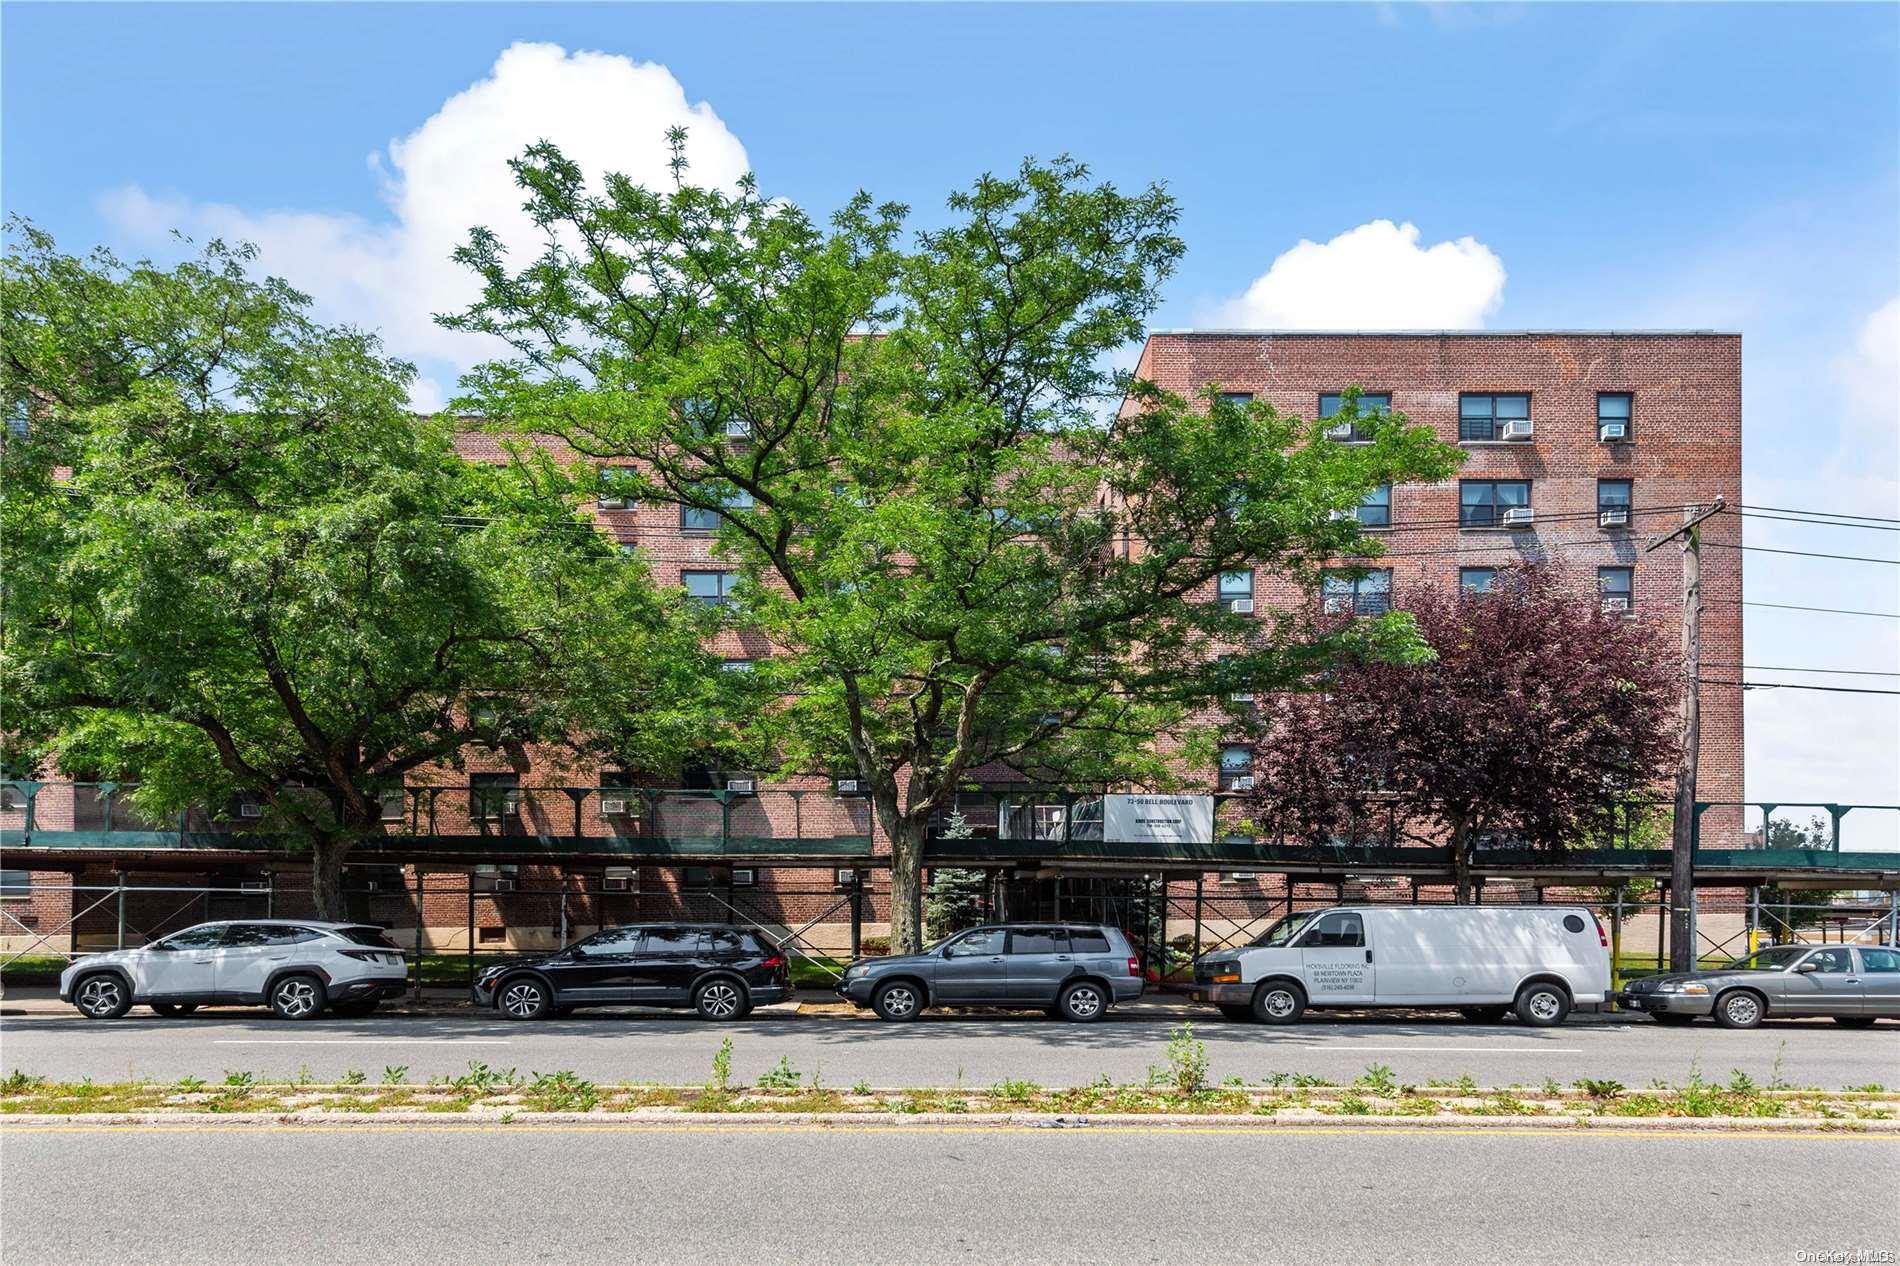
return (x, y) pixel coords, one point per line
(1237, 397)
(714, 588)
(1477, 579)
(1615, 411)
(1375, 511)
(703, 418)
(1617, 588)
(1356, 593)
(15, 885)
(494, 798)
(1370, 402)
(611, 496)
(1484, 417)
(706, 519)
(1236, 767)
(735, 665)
(1483, 502)
(494, 878)
(1613, 503)
(1237, 587)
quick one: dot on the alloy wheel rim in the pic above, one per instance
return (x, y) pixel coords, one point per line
(1085, 1002)
(521, 1000)
(1742, 1009)
(899, 1000)
(296, 997)
(719, 1000)
(99, 996)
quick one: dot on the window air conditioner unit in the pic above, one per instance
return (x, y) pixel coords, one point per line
(617, 879)
(1239, 876)
(613, 808)
(250, 809)
(1519, 517)
(1516, 429)
(1241, 782)
(742, 786)
(1241, 606)
(1613, 430)
(743, 877)
(1613, 516)
(844, 877)
(1616, 604)
(849, 787)
(503, 883)
(1343, 431)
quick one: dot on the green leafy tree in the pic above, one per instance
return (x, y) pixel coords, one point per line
(966, 558)
(236, 563)
(1798, 907)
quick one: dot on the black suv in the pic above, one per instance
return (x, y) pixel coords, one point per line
(718, 970)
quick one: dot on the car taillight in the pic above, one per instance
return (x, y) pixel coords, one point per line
(1603, 938)
(777, 960)
(1134, 967)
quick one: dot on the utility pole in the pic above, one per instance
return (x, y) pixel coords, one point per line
(1682, 955)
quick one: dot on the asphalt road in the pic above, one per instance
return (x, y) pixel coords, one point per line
(939, 1050)
(921, 1194)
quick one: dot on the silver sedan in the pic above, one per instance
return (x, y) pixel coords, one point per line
(1854, 985)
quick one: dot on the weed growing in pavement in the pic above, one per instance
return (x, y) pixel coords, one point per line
(1379, 1080)
(1775, 1080)
(394, 1074)
(1599, 1087)
(1552, 1089)
(191, 1085)
(1187, 1061)
(722, 1067)
(1310, 1081)
(1465, 1085)
(239, 1081)
(1351, 1104)
(1869, 1088)
(1740, 1083)
(781, 1076)
(304, 1076)
(562, 1091)
(18, 1083)
(480, 1079)
(1015, 1091)
(352, 1077)
(860, 1087)
(1273, 1081)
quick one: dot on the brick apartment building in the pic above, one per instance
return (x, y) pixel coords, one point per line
(1580, 445)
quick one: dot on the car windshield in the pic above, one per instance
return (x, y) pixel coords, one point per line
(1285, 929)
(1778, 958)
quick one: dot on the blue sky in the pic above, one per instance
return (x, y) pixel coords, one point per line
(1571, 166)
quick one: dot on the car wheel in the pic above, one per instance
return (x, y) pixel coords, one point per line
(1738, 1009)
(1542, 1004)
(898, 1000)
(1236, 1012)
(523, 998)
(1672, 1019)
(721, 999)
(102, 997)
(1278, 1002)
(297, 998)
(1855, 1021)
(169, 1009)
(1084, 1002)
(1484, 1015)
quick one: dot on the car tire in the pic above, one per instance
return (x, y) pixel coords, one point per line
(1234, 1011)
(898, 1000)
(523, 998)
(170, 1009)
(102, 996)
(1739, 1009)
(1542, 1004)
(721, 998)
(1083, 1002)
(1672, 1019)
(297, 996)
(1855, 1021)
(1278, 1002)
(1484, 1015)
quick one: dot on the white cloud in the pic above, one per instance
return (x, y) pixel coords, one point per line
(1376, 276)
(1869, 376)
(607, 112)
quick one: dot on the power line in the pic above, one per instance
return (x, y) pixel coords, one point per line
(1803, 553)
(1789, 685)
(1786, 606)
(1836, 672)
(1831, 514)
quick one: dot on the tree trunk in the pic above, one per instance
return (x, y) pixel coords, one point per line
(1461, 863)
(326, 876)
(907, 886)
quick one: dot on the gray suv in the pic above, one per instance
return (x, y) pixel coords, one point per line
(1853, 985)
(1076, 971)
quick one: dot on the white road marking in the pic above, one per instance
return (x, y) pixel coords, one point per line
(1454, 1050)
(359, 1041)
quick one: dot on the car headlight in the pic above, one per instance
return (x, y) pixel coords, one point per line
(1691, 987)
(862, 969)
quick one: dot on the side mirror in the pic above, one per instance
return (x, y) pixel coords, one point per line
(1809, 966)
(949, 951)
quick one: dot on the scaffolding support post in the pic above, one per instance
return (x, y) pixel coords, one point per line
(468, 887)
(1616, 946)
(419, 874)
(857, 914)
(121, 939)
(1754, 918)
(1200, 878)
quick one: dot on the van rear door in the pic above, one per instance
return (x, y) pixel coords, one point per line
(1336, 961)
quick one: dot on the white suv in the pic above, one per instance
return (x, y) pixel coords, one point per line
(296, 966)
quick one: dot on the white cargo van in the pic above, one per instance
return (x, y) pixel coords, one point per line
(1483, 960)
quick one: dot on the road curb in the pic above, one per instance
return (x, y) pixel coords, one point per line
(645, 1117)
